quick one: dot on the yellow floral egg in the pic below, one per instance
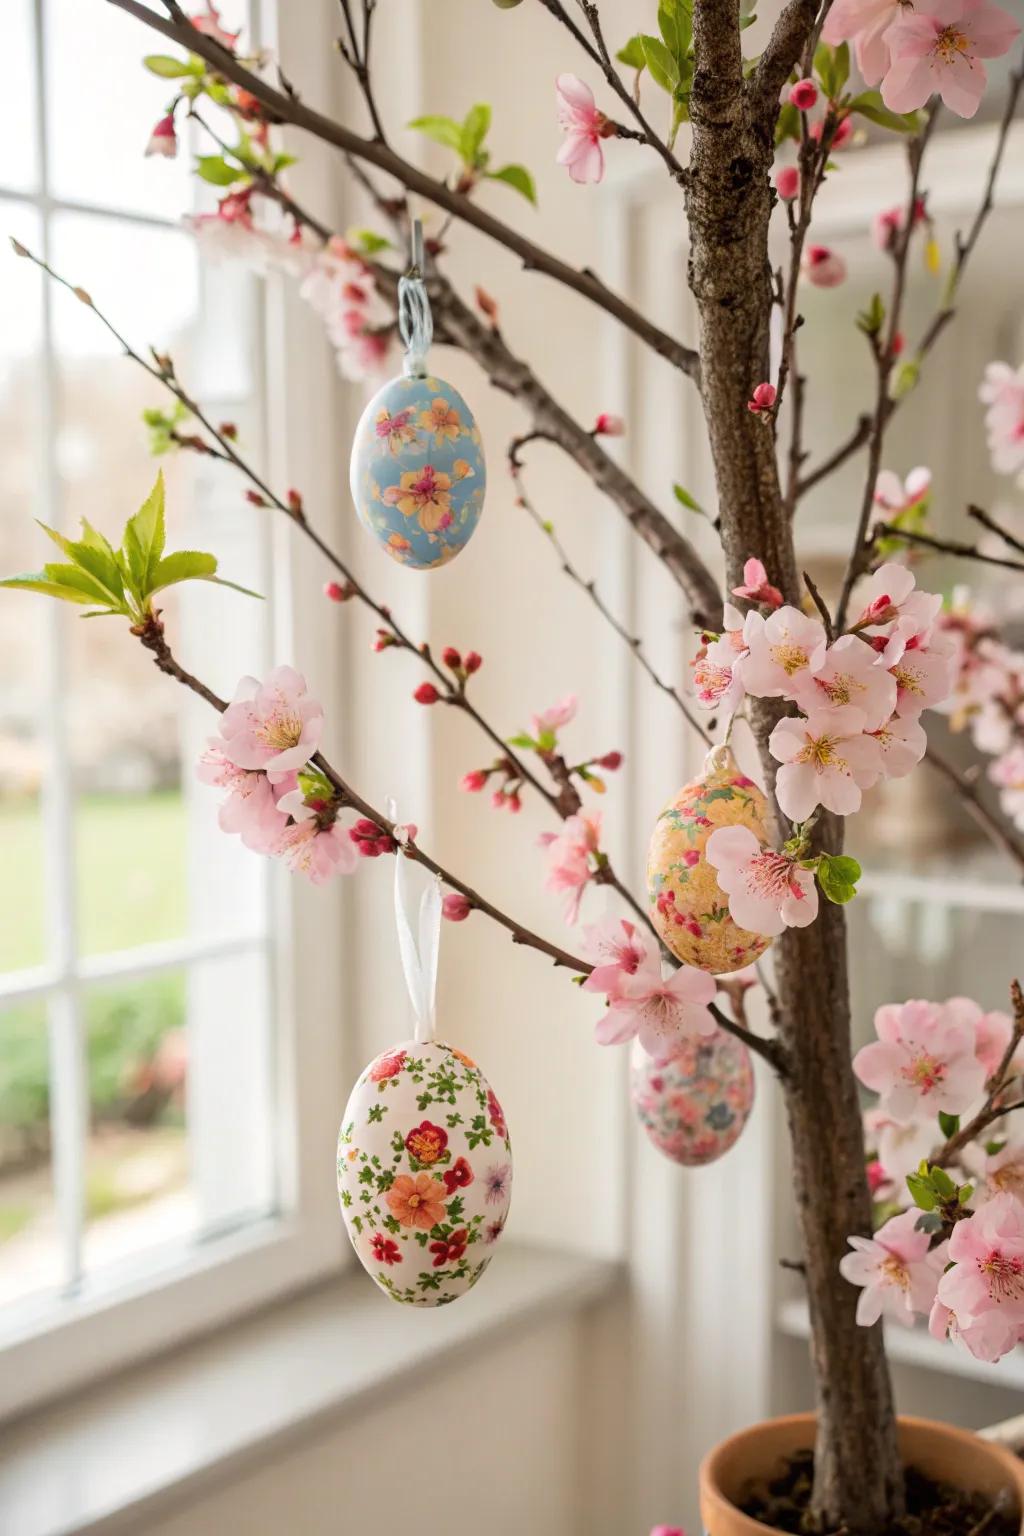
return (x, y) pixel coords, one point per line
(688, 907)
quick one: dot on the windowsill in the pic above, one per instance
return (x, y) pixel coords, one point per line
(98, 1463)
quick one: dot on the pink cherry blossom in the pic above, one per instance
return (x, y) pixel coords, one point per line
(803, 95)
(1002, 390)
(900, 1148)
(787, 182)
(883, 594)
(250, 808)
(1003, 1171)
(570, 853)
(756, 587)
(850, 674)
(893, 496)
(823, 267)
(664, 1014)
(584, 127)
(163, 141)
(608, 425)
(1008, 772)
(895, 1270)
(924, 678)
(939, 51)
(715, 682)
(865, 23)
(826, 760)
(992, 1031)
(767, 891)
(781, 647)
(272, 725)
(618, 949)
(988, 1339)
(550, 721)
(922, 1063)
(317, 852)
(902, 744)
(987, 1275)
(761, 400)
(208, 22)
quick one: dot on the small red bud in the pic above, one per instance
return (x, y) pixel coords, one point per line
(255, 499)
(803, 95)
(486, 305)
(451, 658)
(229, 430)
(383, 639)
(456, 907)
(426, 693)
(294, 500)
(335, 591)
(474, 781)
(611, 761)
(473, 662)
(514, 803)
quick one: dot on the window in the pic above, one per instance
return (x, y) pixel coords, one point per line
(148, 1096)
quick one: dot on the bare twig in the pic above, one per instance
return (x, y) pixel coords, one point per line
(987, 521)
(634, 642)
(291, 109)
(993, 827)
(822, 607)
(945, 546)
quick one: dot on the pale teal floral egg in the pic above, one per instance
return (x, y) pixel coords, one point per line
(418, 475)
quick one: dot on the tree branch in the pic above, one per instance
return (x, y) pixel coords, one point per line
(597, 52)
(634, 642)
(1009, 539)
(991, 825)
(1000, 1080)
(945, 546)
(769, 1050)
(289, 108)
(153, 638)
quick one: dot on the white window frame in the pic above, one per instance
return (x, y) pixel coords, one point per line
(113, 1320)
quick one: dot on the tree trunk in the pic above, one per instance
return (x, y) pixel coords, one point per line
(857, 1481)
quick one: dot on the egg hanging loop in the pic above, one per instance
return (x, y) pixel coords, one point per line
(415, 322)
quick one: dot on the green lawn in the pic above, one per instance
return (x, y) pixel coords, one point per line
(130, 852)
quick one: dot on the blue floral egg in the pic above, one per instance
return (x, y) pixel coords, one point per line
(418, 474)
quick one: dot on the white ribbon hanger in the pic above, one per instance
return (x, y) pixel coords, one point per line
(419, 951)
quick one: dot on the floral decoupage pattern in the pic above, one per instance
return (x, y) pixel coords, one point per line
(694, 1105)
(418, 472)
(424, 1172)
(688, 907)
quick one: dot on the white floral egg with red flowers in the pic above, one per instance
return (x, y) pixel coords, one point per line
(424, 1172)
(694, 1105)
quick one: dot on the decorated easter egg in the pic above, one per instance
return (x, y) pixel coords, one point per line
(694, 1105)
(418, 475)
(688, 907)
(424, 1172)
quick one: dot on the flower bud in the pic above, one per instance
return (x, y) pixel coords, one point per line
(426, 693)
(474, 781)
(611, 761)
(803, 95)
(787, 183)
(451, 658)
(608, 425)
(456, 907)
(473, 662)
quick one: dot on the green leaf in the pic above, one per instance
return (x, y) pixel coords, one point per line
(182, 565)
(99, 563)
(948, 1124)
(787, 124)
(870, 105)
(167, 68)
(838, 875)
(522, 740)
(474, 130)
(368, 241)
(921, 1191)
(832, 66)
(36, 581)
(516, 176)
(871, 320)
(944, 1186)
(144, 537)
(904, 379)
(663, 67)
(216, 170)
(81, 581)
(443, 130)
(632, 53)
(685, 499)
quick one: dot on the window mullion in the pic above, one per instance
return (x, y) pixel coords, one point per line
(68, 1097)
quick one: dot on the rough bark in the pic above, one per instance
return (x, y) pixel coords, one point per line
(857, 1483)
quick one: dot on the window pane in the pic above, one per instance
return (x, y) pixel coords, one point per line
(179, 1071)
(98, 133)
(19, 166)
(23, 617)
(30, 1248)
(137, 1185)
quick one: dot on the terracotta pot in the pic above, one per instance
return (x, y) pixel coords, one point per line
(952, 1455)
